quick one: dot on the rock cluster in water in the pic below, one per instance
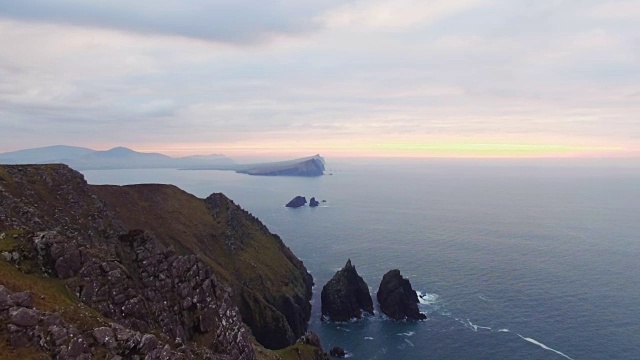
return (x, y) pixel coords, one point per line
(300, 201)
(346, 295)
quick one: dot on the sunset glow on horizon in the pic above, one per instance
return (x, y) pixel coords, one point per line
(398, 149)
(394, 78)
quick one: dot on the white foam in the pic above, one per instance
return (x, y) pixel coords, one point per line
(476, 327)
(368, 338)
(426, 299)
(410, 333)
(409, 342)
(343, 329)
(504, 330)
(533, 341)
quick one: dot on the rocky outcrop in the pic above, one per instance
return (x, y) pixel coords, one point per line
(337, 352)
(271, 286)
(145, 288)
(55, 337)
(149, 281)
(397, 298)
(313, 202)
(297, 202)
(346, 296)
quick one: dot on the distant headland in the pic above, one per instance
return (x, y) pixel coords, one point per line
(81, 158)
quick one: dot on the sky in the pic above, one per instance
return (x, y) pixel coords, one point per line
(416, 78)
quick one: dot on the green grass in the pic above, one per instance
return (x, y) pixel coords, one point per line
(297, 351)
(51, 295)
(8, 239)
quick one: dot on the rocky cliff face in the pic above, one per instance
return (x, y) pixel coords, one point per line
(103, 290)
(272, 287)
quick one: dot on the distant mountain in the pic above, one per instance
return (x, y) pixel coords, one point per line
(120, 158)
(48, 154)
(309, 166)
(81, 158)
(213, 161)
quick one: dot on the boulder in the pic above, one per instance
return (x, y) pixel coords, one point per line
(397, 298)
(24, 299)
(346, 295)
(311, 338)
(6, 301)
(104, 336)
(313, 202)
(297, 202)
(337, 352)
(23, 316)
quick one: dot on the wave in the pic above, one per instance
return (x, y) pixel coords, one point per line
(409, 342)
(476, 327)
(426, 299)
(410, 333)
(504, 330)
(368, 338)
(533, 341)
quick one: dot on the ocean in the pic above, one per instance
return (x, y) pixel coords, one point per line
(512, 259)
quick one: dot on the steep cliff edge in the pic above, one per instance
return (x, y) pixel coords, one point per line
(272, 286)
(65, 235)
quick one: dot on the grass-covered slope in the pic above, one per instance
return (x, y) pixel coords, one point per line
(272, 287)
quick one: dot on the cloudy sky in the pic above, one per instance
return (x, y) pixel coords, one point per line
(285, 77)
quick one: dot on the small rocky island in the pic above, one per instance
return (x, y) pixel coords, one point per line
(397, 298)
(346, 295)
(296, 202)
(313, 202)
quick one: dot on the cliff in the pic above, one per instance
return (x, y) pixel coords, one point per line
(202, 278)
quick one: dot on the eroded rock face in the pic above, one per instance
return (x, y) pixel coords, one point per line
(397, 298)
(79, 233)
(59, 339)
(147, 286)
(297, 202)
(346, 295)
(143, 287)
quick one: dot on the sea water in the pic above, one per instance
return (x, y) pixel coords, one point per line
(531, 260)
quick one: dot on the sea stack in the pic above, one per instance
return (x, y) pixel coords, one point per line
(346, 295)
(397, 298)
(297, 202)
(313, 202)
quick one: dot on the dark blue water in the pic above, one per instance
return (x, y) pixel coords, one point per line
(515, 261)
